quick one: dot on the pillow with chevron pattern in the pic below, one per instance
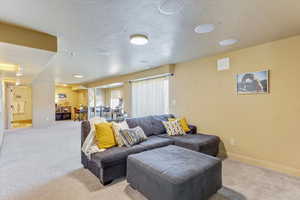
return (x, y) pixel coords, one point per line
(173, 128)
(133, 136)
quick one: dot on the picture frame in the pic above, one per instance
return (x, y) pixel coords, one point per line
(62, 96)
(253, 82)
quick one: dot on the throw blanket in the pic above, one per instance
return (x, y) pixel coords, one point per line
(89, 146)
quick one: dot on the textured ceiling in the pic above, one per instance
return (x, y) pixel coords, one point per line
(94, 34)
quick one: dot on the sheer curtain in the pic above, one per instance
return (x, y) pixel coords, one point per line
(150, 97)
(115, 96)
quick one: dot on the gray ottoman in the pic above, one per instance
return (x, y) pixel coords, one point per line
(172, 172)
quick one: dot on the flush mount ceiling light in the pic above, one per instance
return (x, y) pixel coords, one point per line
(204, 28)
(228, 42)
(139, 39)
(8, 67)
(77, 76)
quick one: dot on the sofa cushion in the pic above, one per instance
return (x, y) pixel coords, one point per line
(208, 144)
(156, 142)
(110, 157)
(152, 125)
(118, 155)
(144, 122)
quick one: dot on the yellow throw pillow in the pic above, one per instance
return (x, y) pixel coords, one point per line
(105, 136)
(183, 124)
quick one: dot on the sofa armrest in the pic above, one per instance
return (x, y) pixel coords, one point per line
(193, 129)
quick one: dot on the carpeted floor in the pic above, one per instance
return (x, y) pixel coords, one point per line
(44, 164)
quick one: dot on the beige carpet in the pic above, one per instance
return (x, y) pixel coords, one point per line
(44, 164)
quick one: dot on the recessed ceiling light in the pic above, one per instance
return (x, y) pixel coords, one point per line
(228, 42)
(139, 39)
(19, 74)
(18, 83)
(204, 28)
(77, 76)
(171, 7)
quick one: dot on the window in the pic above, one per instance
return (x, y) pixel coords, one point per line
(91, 93)
(150, 97)
(115, 96)
(99, 95)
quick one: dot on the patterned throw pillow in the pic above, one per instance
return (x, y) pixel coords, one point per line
(183, 123)
(173, 128)
(133, 136)
(117, 127)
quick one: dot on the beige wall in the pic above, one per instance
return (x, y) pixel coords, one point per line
(124, 78)
(75, 98)
(24, 94)
(258, 129)
(72, 96)
(82, 97)
(27, 37)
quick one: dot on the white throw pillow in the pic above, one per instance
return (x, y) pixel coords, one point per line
(173, 128)
(117, 127)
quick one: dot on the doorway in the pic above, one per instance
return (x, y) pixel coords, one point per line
(19, 107)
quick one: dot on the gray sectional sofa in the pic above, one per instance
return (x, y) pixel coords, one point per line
(111, 163)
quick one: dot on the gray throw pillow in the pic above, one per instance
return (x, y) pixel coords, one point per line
(133, 136)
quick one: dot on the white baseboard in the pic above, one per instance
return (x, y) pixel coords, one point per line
(265, 164)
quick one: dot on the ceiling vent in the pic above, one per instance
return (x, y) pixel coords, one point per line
(223, 64)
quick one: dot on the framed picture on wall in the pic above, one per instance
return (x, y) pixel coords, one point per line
(253, 82)
(62, 96)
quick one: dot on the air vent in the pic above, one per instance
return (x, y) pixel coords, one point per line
(223, 64)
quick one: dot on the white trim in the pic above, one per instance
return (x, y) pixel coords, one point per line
(265, 164)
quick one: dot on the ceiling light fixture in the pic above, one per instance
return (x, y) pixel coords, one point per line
(8, 67)
(171, 7)
(228, 42)
(204, 28)
(77, 76)
(139, 39)
(20, 72)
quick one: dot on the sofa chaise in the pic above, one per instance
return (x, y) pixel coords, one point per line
(111, 163)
